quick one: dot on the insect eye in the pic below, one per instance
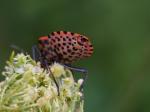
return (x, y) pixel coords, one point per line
(84, 39)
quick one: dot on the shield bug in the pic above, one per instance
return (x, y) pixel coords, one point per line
(65, 48)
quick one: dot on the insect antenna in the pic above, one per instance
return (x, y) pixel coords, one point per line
(17, 48)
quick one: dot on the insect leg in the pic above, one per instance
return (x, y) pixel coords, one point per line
(47, 67)
(81, 70)
(36, 55)
(17, 48)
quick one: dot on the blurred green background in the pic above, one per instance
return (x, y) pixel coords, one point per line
(119, 70)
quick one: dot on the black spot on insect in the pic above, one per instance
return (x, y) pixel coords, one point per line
(59, 44)
(52, 34)
(75, 49)
(69, 39)
(73, 38)
(72, 33)
(70, 43)
(79, 54)
(90, 53)
(59, 56)
(58, 38)
(65, 59)
(91, 49)
(81, 44)
(69, 50)
(77, 57)
(49, 36)
(81, 50)
(91, 46)
(64, 39)
(84, 39)
(70, 56)
(55, 46)
(72, 53)
(53, 40)
(65, 32)
(64, 44)
(54, 50)
(64, 53)
(62, 47)
(75, 42)
(85, 46)
(67, 46)
(58, 32)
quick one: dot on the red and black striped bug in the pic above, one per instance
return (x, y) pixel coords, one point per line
(65, 48)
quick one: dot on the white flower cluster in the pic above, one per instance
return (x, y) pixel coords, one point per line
(29, 88)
